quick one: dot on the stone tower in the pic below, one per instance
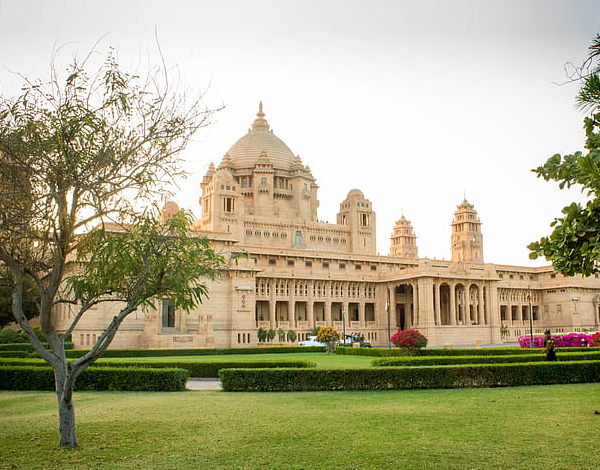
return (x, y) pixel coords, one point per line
(356, 212)
(467, 240)
(403, 240)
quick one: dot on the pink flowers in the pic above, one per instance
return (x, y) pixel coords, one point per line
(570, 340)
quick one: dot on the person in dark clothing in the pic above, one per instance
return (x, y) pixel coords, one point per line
(549, 346)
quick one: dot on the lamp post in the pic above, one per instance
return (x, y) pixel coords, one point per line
(530, 317)
(387, 308)
(344, 325)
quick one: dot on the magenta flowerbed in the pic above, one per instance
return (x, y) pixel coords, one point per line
(569, 340)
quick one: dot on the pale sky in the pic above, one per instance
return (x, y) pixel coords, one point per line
(416, 103)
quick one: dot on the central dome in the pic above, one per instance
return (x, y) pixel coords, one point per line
(246, 152)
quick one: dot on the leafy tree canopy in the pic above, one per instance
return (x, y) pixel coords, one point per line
(573, 247)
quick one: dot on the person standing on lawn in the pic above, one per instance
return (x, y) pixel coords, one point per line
(549, 346)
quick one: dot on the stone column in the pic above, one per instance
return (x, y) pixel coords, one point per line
(310, 313)
(452, 287)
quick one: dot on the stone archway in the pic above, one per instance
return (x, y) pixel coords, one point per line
(404, 301)
(445, 313)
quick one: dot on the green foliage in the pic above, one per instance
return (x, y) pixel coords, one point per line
(292, 336)
(281, 335)
(26, 346)
(96, 378)
(10, 335)
(195, 369)
(490, 359)
(262, 335)
(151, 259)
(573, 247)
(271, 334)
(391, 378)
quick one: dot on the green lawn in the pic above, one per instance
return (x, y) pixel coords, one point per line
(321, 359)
(540, 427)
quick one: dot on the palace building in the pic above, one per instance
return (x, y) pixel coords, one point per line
(301, 273)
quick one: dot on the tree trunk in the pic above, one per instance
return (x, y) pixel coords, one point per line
(64, 379)
(66, 419)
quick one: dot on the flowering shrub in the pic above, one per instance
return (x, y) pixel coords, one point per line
(596, 338)
(569, 340)
(409, 340)
(329, 336)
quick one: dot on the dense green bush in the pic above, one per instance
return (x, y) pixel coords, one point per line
(389, 378)
(198, 352)
(21, 354)
(211, 369)
(27, 346)
(10, 335)
(498, 359)
(195, 369)
(96, 378)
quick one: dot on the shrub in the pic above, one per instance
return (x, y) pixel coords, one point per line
(292, 336)
(329, 336)
(596, 338)
(262, 335)
(393, 378)
(195, 369)
(409, 340)
(497, 359)
(10, 335)
(95, 378)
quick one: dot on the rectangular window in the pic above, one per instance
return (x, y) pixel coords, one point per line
(168, 314)
(228, 204)
(325, 265)
(272, 261)
(342, 266)
(308, 264)
(291, 262)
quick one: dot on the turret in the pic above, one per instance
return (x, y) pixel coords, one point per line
(467, 240)
(403, 240)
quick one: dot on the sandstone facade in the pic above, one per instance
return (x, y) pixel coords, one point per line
(301, 273)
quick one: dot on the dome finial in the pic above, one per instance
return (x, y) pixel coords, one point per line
(260, 123)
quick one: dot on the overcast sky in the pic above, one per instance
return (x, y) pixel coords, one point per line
(416, 103)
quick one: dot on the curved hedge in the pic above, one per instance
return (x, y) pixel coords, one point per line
(195, 369)
(500, 359)
(394, 378)
(197, 352)
(96, 378)
(28, 347)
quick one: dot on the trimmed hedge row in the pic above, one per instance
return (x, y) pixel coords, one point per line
(28, 347)
(96, 378)
(75, 353)
(394, 378)
(195, 369)
(397, 352)
(500, 359)
(21, 354)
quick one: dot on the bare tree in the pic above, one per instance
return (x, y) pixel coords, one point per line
(76, 153)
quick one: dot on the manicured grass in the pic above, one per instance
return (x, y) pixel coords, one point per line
(321, 359)
(492, 429)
